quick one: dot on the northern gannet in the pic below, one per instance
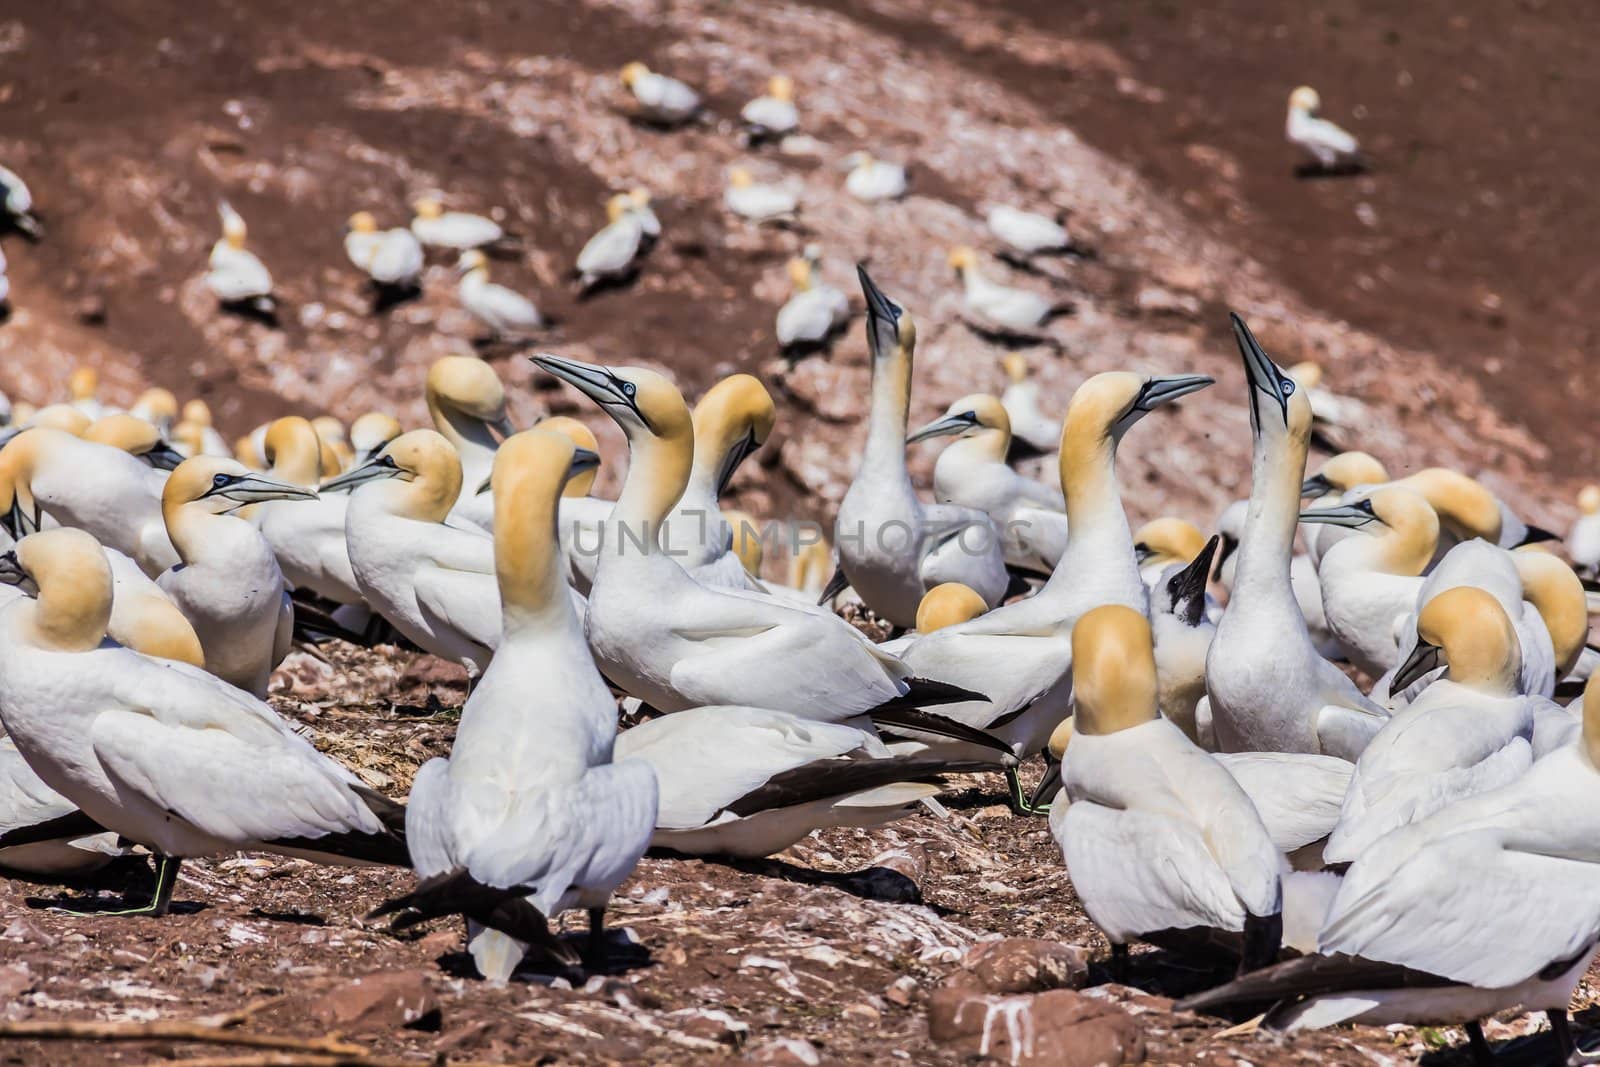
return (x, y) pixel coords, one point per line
(1489, 904)
(307, 536)
(370, 432)
(1370, 582)
(873, 180)
(1021, 400)
(992, 304)
(758, 202)
(675, 643)
(83, 388)
(772, 115)
(434, 582)
(1328, 145)
(1183, 635)
(1557, 594)
(893, 547)
(64, 417)
(162, 753)
(660, 98)
(948, 605)
(228, 583)
(114, 496)
(1158, 838)
(468, 406)
(391, 258)
(972, 472)
(158, 407)
(1163, 541)
(1339, 475)
(731, 421)
(42, 832)
(816, 310)
(236, 276)
(333, 444)
(456, 230)
(1026, 232)
(136, 437)
(507, 313)
(18, 203)
(1468, 732)
(1583, 541)
(1467, 509)
(1268, 688)
(197, 413)
(530, 800)
(612, 252)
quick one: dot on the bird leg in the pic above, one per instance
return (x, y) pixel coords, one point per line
(594, 955)
(1119, 964)
(1482, 1054)
(160, 898)
(1566, 1042)
(1018, 798)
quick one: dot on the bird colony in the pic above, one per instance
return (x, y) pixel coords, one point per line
(1338, 754)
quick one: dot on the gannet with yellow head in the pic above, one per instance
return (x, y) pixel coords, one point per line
(660, 99)
(773, 114)
(468, 406)
(455, 230)
(508, 314)
(1328, 146)
(612, 252)
(991, 303)
(391, 258)
(237, 277)
(816, 310)
(756, 201)
(307, 536)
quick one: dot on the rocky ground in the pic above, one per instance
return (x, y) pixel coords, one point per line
(1448, 291)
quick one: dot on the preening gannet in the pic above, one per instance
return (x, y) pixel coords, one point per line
(307, 536)
(972, 472)
(468, 406)
(993, 304)
(18, 203)
(1370, 582)
(660, 98)
(731, 421)
(1328, 145)
(946, 605)
(236, 276)
(1467, 509)
(774, 114)
(114, 496)
(457, 230)
(1269, 689)
(136, 437)
(1583, 541)
(228, 583)
(1491, 903)
(612, 252)
(370, 432)
(758, 202)
(391, 258)
(1026, 232)
(162, 753)
(529, 816)
(675, 643)
(873, 180)
(1557, 594)
(1159, 840)
(434, 582)
(1163, 541)
(1021, 400)
(893, 547)
(507, 313)
(816, 310)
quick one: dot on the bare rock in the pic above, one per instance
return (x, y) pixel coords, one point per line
(785, 1052)
(1060, 1027)
(1021, 965)
(827, 390)
(1153, 300)
(382, 1001)
(15, 980)
(708, 1024)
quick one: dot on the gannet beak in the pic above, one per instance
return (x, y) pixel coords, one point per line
(1353, 516)
(1316, 485)
(583, 461)
(736, 455)
(1229, 545)
(503, 426)
(255, 489)
(597, 383)
(7, 434)
(1142, 553)
(163, 457)
(1423, 658)
(1187, 588)
(949, 425)
(380, 466)
(488, 483)
(11, 572)
(1049, 785)
(1263, 375)
(1158, 391)
(883, 317)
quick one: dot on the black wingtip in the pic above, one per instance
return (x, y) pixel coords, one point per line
(928, 722)
(1536, 535)
(836, 585)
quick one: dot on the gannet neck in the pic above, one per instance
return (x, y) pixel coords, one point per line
(1113, 670)
(1463, 504)
(1099, 532)
(1557, 594)
(529, 472)
(887, 417)
(1266, 547)
(18, 461)
(73, 607)
(1591, 720)
(194, 529)
(659, 464)
(464, 432)
(295, 451)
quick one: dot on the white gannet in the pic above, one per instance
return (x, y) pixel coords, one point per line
(873, 180)
(1328, 145)
(1021, 400)
(307, 536)
(507, 313)
(432, 581)
(1163, 541)
(816, 310)
(64, 417)
(236, 276)
(228, 583)
(1158, 838)
(972, 472)
(1026, 232)
(1338, 475)
(674, 643)
(661, 99)
(639, 204)
(1468, 732)
(197, 413)
(455, 230)
(529, 800)
(1557, 594)
(1268, 688)
(731, 421)
(83, 387)
(1333, 417)
(1183, 635)
(947, 605)
(612, 252)
(1583, 541)
(49, 473)
(758, 202)
(1302, 577)
(893, 547)
(1489, 904)
(1467, 509)
(995, 305)
(467, 403)
(333, 444)
(774, 114)
(370, 432)
(42, 832)
(391, 258)
(136, 437)
(158, 407)
(17, 200)
(1020, 654)
(162, 753)
(1370, 582)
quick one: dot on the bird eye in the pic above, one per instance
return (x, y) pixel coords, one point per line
(219, 481)
(628, 389)
(1288, 387)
